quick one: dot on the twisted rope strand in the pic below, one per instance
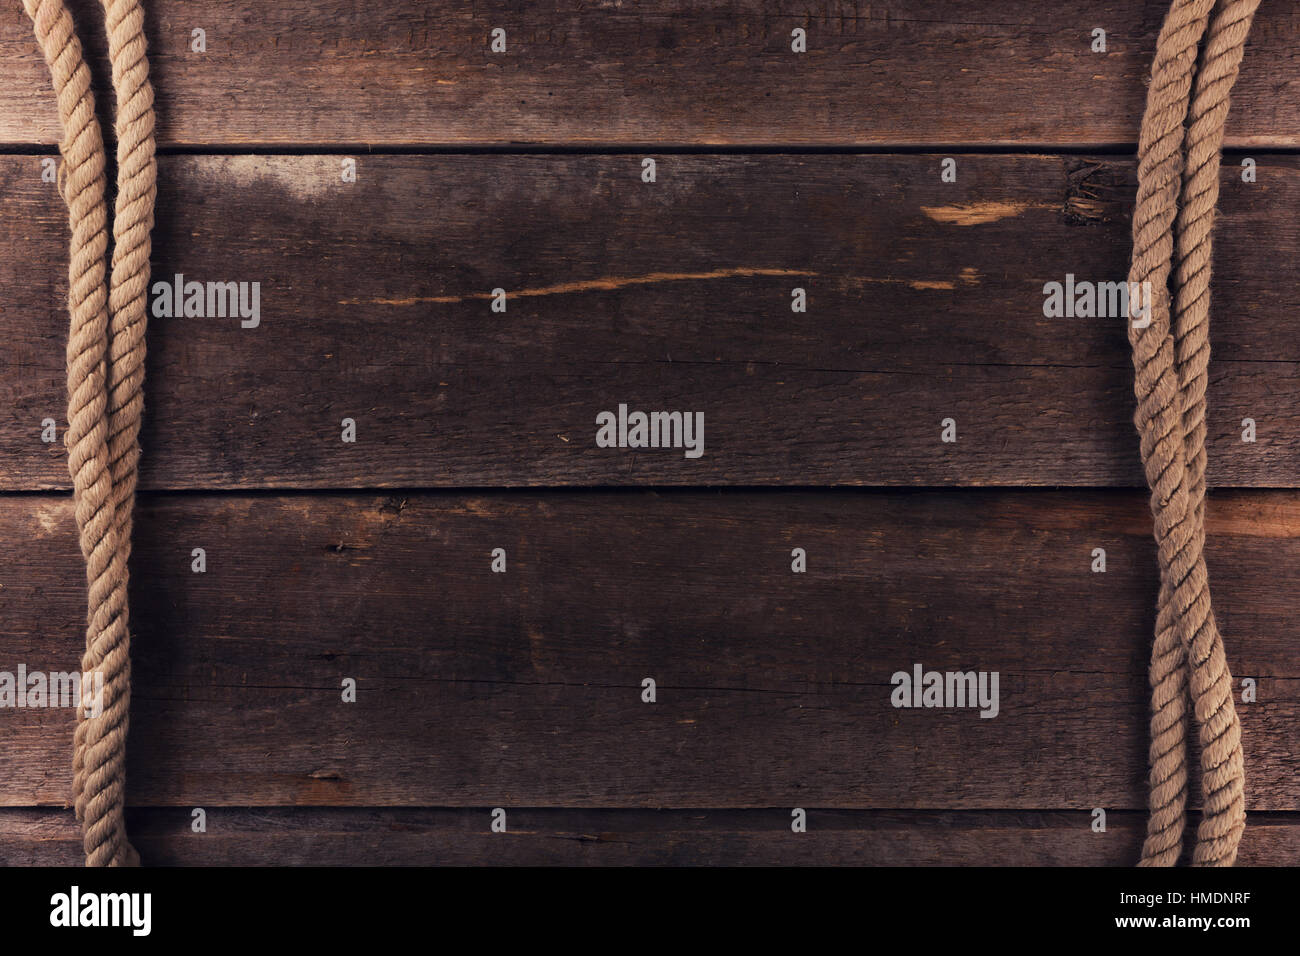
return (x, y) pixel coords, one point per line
(1179, 160)
(99, 754)
(1222, 771)
(105, 377)
(1156, 417)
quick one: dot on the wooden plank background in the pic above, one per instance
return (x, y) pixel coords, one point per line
(631, 72)
(475, 431)
(475, 686)
(548, 837)
(926, 303)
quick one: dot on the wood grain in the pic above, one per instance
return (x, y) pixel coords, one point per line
(925, 302)
(523, 688)
(556, 837)
(406, 72)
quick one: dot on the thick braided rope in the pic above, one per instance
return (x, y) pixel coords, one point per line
(1170, 362)
(105, 372)
(1222, 775)
(82, 185)
(99, 752)
(1157, 418)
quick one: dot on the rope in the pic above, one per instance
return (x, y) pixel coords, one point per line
(1178, 187)
(105, 359)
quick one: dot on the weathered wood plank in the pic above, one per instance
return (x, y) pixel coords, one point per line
(374, 305)
(655, 71)
(283, 836)
(524, 688)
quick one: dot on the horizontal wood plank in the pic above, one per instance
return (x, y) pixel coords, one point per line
(280, 836)
(524, 688)
(374, 305)
(407, 72)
